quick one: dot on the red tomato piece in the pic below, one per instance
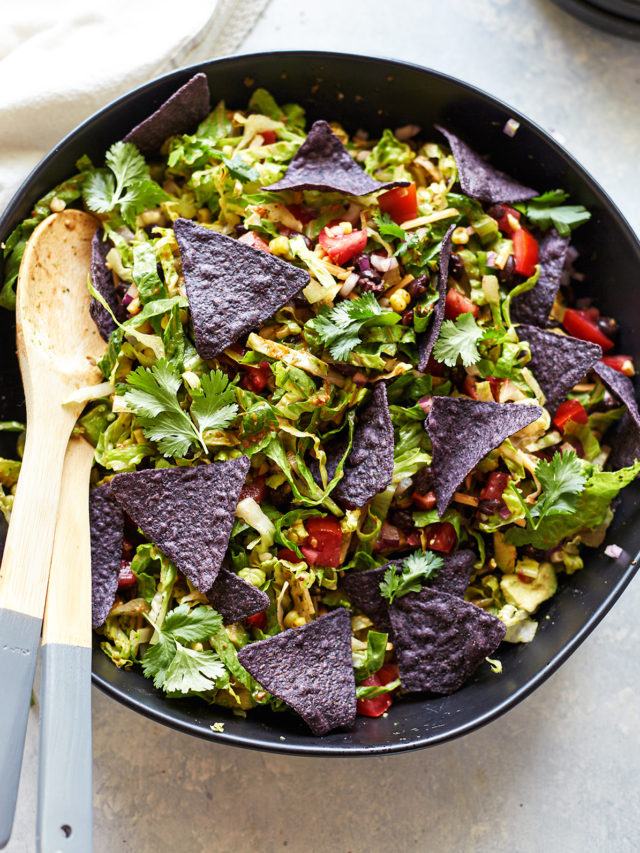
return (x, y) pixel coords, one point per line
(525, 251)
(126, 578)
(268, 137)
(342, 248)
(503, 223)
(469, 387)
(621, 363)
(457, 303)
(256, 377)
(377, 705)
(440, 536)
(288, 555)
(400, 203)
(324, 544)
(427, 501)
(258, 620)
(497, 482)
(256, 490)
(252, 239)
(433, 367)
(570, 410)
(580, 325)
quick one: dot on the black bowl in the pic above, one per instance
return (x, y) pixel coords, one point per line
(374, 94)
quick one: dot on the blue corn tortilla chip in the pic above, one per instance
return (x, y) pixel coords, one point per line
(234, 598)
(232, 287)
(187, 512)
(625, 443)
(621, 387)
(463, 431)
(323, 163)
(363, 588)
(535, 305)
(440, 639)
(106, 521)
(181, 113)
(479, 179)
(427, 339)
(102, 281)
(309, 668)
(558, 362)
(369, 466)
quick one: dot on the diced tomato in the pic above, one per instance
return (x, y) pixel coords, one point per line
(377, 705)
(288, 555)
(440, 536)
(457, 303)
(252, 239)
(268, 137)
(427, 501)
(126, 578)
(580, 325)
(621, 363)
(323, 546)
(570, 410)
(525, 251)
(400, 203)
(469, 387)
(497, 482)
(256, 490)
(258, 620)
(503, 223)
(433, 367)
(342, 248)
(256, 376)
(302, 214)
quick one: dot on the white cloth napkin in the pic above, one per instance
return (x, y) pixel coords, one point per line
(61, 60)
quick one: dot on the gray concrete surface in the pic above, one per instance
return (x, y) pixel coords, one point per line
(558, 773)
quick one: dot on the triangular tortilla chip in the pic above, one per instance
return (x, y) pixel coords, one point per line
(102, 281)
(441, 640)
(323, 163)
(232, 287)
(106, 520)
(479, 179)
(535, 305)
(427, 339)
(558, 362)
(309, 668)
(463, 432)
(234, 598)
(621, 387)
(181, 113)
(187, 512)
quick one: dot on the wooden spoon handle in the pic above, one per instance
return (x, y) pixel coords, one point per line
(65, 802)
(23, 584)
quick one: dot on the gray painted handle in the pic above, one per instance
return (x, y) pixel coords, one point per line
(64, 821)
(19, 642)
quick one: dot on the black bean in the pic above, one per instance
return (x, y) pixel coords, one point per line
(401, 518)
(418, 286)
(506, 274)
(489, 506)
(407, 317)
(608, 327)
(456, 266)
(423, 481)
(497, 211)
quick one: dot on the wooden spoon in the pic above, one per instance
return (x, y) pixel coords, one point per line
(65, 801)
(58, 343)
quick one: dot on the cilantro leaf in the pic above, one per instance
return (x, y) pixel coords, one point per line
(339, 328)
(458, 338)
(387, 227)
(547, 210)
(153, 396)
(240, 170)
(562, 479)
(125, 184)
(177, 669)
(418, 567)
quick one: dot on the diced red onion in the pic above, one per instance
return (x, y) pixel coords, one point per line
(491, 259)
(364, 263)
(613, 551)
(511, 127)
(504, 511)
(389, 537)
(408, 131)
(349, 284)
(382, 264)
(425, 404)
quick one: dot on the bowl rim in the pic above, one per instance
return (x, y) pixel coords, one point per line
(317, 746)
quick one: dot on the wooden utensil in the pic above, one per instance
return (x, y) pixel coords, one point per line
(58, 343)
(65, 801)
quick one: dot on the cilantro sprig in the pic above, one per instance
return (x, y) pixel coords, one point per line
(152, 394)
(547, 210)
(176, 668)
(124, 186)
(418, 568)
(339, 328)
(459, 337)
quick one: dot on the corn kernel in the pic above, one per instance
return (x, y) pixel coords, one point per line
(514, 223)
(57, 205)
(347, 227)
(203, 214)
(279, 246)
(460, 236)
(294, 620)
(399, 300)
